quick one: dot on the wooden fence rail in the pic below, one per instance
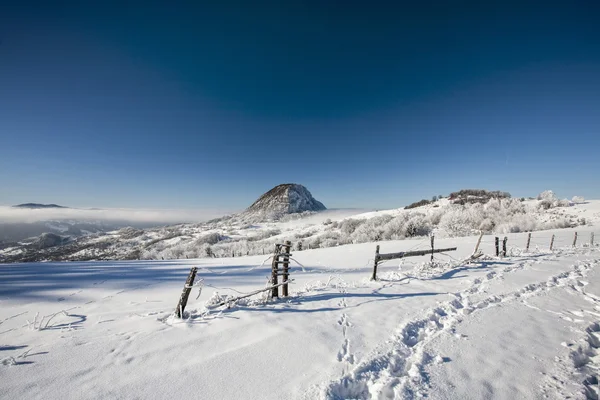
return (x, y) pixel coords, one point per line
(403, 254)
(233, 300)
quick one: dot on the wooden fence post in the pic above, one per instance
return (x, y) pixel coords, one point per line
(575, 239)
(374, 277)
(528, 242)
(274, 272)
(432, 239)
(286, 263)
(592, 240)
(497, 246)
(551, 242)
(187, 288)
(504, 246)
(478, 243)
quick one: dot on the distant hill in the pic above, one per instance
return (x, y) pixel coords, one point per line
(288, 198)
(38, 205)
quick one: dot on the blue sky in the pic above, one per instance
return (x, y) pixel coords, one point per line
(366, 104)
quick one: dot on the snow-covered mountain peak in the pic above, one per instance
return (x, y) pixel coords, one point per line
(288, 198)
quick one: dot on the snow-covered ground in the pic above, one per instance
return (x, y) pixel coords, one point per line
(246, 234)
(523, 326)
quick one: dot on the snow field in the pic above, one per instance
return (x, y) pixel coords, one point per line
(443, 330)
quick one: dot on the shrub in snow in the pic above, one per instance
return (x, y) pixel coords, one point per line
(211, 238)
(545, 205)
(306, 234)
(471, 196)
(417, 225)
(394, 229)
(348, 226)
(419, 203)
(261, 235)
(517, 223)
(558, 224)
(547, 195)
(457, 221)
(380, 221)
(487, 225)
(549, 200)
(578, 200)
(436, 216)
(330, 239)
(478, 193)
(367, 233)
(315, 243)
(360, 231)
(130, 233)
(562, 203)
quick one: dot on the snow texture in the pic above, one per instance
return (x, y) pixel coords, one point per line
(522, 326)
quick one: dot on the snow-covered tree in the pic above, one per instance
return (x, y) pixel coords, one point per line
(547, 195)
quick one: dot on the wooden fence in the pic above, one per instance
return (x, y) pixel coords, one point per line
(281, 261)
(280, 266)
(403, 254)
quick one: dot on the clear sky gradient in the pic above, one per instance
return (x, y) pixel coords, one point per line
(190, 105)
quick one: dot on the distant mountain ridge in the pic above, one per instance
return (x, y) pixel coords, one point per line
(38, 205)
(255, 231)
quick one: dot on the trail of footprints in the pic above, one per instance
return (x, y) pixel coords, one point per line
(344, 353)
(586, 357)
(399, 371)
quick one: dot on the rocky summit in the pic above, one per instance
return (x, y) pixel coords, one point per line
(288, 198)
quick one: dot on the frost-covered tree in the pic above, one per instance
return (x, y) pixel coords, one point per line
(547, 195)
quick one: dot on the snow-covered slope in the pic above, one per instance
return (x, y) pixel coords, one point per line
(524, 326)
(248, 235)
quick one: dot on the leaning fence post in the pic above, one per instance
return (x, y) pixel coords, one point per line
(187, 288)
(528, 241)
(286, 263)
(432, 239)
(497, 241)
(478, 243)
(551, 242)
(374, 277)
(575, 239)
(504, 246)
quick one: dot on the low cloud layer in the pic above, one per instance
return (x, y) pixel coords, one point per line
(24, 215)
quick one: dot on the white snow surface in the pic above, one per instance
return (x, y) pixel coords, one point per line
(522, 326)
